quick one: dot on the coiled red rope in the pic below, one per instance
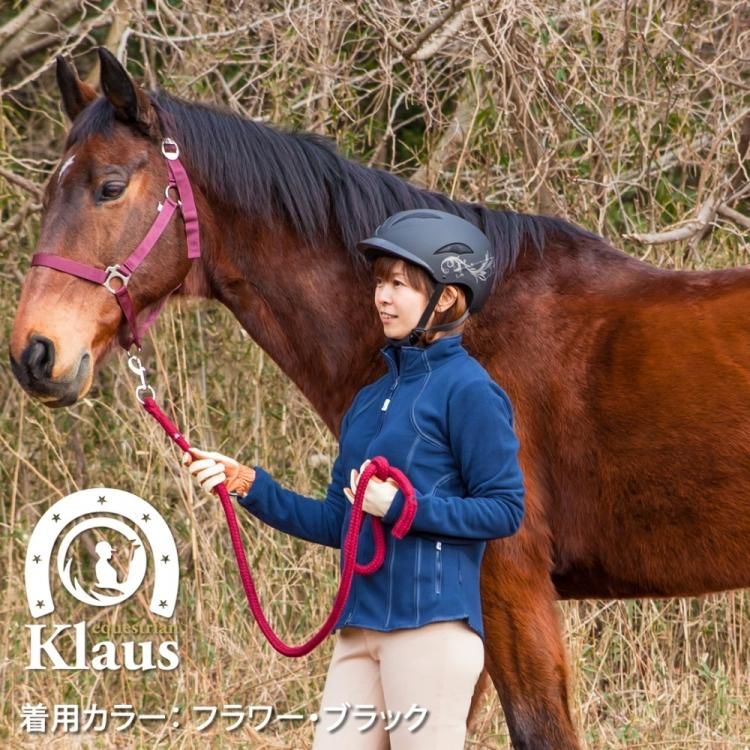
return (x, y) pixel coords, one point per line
(377, 467)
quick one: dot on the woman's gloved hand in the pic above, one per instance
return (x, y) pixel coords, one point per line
(378, 495)
(212, 468)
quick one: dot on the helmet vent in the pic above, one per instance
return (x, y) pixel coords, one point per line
(455, 248)
(416, 215)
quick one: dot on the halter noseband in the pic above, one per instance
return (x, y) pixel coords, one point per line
(178, 180)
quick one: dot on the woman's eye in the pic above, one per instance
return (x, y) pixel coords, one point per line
(110, 190)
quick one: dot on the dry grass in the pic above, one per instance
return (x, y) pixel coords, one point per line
(628, 119)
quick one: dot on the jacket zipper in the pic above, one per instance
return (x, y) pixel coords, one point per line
(438, 566)
(387, 401)
(383, 410)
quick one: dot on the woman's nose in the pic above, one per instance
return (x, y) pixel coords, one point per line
(382, 296)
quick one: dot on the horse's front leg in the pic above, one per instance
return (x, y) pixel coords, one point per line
(524, 651)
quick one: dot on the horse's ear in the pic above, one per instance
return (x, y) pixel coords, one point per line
(130, 102)
(76, 94)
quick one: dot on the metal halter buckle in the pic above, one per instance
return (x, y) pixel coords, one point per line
(169, 149)
(114, 272)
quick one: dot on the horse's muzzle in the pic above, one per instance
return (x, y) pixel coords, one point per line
(34, 369)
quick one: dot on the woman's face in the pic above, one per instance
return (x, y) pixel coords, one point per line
(399, 305)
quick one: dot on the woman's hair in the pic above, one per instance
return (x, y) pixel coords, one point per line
(423, 282)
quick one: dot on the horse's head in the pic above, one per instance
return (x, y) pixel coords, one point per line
(99, 204)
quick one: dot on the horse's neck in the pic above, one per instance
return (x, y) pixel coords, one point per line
(306, 307)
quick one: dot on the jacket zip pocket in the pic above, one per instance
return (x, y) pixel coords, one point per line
(438, 566)
(351, 611)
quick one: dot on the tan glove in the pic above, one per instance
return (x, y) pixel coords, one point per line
(213, 468)
(378, 495)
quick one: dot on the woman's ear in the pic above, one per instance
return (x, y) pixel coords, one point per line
(447, 299)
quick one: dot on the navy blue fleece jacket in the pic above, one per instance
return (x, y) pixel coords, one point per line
(438, 416)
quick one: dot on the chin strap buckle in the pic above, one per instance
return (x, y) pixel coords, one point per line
(415, 335)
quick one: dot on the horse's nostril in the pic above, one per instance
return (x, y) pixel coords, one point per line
(39, 358)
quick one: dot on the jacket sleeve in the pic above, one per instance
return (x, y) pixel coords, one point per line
(316, 521)
(485, 447)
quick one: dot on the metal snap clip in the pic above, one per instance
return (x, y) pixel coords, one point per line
(136, 366)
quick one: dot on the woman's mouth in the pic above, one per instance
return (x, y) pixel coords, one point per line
(386, 318)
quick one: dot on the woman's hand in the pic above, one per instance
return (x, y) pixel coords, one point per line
(378, 495)
(213, 468)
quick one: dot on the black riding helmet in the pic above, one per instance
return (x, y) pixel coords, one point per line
(450, 249)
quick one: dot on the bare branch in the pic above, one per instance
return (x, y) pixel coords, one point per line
(209, 34)
(29, 207)
(706, 215)
(17, 23)
(40, 32)
(449, 29)
(416, 45)
(82, 32)
(710, 69)
(22, 182)
(457, 128)
(735, 216)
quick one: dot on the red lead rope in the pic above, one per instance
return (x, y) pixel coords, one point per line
(378, 466)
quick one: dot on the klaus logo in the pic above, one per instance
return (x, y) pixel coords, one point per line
(116, 566)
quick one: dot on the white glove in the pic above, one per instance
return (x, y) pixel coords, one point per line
(214, 468)
(378, 495)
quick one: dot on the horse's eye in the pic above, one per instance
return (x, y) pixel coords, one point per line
(110, 190)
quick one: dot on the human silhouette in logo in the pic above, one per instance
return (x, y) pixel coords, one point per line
(106, 575)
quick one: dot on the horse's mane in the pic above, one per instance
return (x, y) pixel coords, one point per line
(301, 178)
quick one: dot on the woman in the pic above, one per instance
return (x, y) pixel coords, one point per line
(411, 633)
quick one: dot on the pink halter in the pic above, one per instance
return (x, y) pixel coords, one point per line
(178, 180)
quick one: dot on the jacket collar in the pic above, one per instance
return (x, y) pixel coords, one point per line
(408, 361)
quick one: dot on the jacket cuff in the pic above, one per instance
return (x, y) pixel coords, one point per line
(394, 511)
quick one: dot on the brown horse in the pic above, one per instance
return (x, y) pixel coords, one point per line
(631, 385)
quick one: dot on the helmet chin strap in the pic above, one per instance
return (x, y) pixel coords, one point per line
(416, 334)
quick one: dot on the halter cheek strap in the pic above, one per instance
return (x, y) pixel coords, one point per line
(115, 278)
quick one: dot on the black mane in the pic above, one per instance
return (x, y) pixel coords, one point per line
(302, 179)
